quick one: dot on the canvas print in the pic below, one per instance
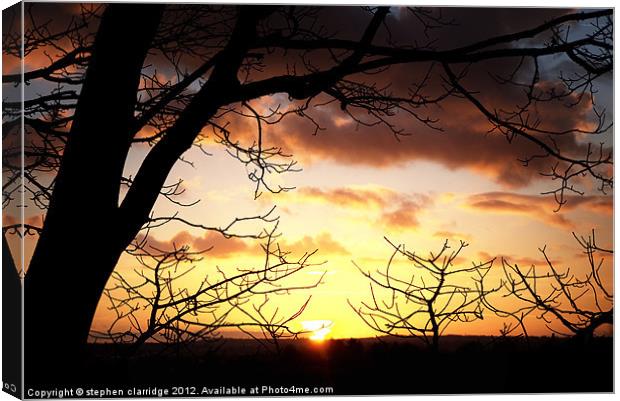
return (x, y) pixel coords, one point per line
(261, 200)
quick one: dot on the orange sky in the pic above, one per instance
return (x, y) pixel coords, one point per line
(344, 209)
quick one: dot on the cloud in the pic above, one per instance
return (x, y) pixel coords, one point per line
(395, 210)
(595, 204)
(403, 217)
(217, 244)
(348, 196)
(323, 242)
(453, 236)
(465, 142)
(9, 219)
(539, 207)
(222, 247)
(521, 261)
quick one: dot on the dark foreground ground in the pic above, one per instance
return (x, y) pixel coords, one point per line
(368, 366)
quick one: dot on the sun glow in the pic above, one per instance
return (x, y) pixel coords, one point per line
(319, 328)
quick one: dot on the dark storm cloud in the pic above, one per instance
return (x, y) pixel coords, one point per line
(464, 142)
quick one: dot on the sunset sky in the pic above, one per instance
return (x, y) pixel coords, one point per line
(344, 208)
(361, 184)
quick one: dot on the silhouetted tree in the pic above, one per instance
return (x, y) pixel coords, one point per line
(424, 297)
(155, 306)
(104, 95)
(580, 302)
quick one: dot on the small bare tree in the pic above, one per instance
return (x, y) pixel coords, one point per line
(159, 308)
(581, 304)
(425, 299)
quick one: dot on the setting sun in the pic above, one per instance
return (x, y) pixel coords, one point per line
(319, 328)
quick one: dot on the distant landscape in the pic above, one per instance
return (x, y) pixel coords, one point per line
(465, 364)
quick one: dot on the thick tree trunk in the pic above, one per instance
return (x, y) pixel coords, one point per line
(82, 240)
(85, 229)
(584, 336)
(61, 297)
